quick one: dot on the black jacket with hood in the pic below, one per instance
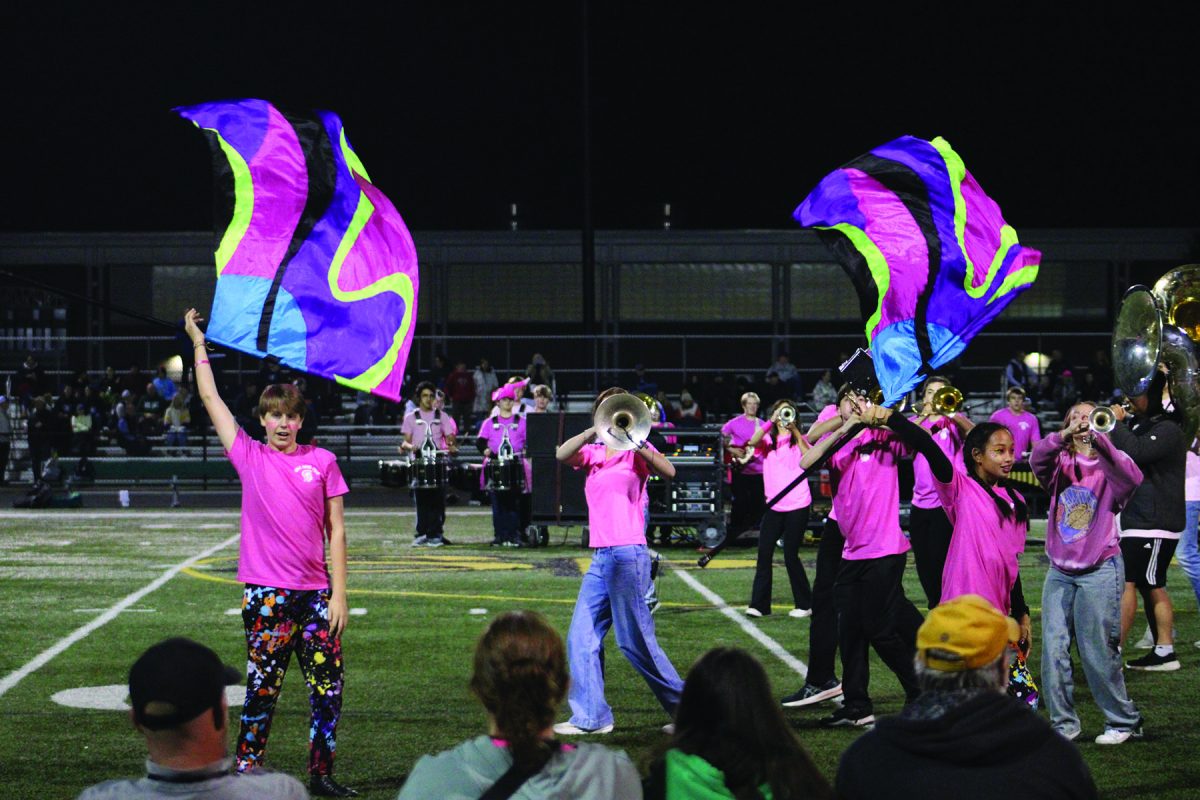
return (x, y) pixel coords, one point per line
(990, 747)
(1156, 445)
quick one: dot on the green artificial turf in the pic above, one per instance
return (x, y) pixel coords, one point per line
(408, 657)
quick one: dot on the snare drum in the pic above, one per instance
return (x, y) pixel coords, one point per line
(396, 472)
(506, 476)
(432, 472)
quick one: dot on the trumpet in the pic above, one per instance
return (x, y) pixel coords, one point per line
(1102, 419)
(945, 401)
(786, 415)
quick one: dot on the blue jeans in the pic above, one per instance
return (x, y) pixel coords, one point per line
(1189, 552)
(1086, 608)
(612, 595)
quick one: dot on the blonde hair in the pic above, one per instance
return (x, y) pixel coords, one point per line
(748, 396)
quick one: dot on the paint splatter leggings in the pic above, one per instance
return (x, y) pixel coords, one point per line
(279, 622)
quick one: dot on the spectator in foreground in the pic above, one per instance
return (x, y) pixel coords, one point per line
(520, 676)
(177, 689)
(964, 733)
(731, 739)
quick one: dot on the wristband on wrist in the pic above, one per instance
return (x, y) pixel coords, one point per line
(205, 361)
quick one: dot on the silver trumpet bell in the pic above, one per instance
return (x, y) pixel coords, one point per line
(1102, 419)
(622, 422)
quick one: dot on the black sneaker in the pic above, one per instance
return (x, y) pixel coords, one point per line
(849, 717)
(326, 786)
(811, 693)
(1153, 662)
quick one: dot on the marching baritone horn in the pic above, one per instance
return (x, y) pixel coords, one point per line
(622, 422)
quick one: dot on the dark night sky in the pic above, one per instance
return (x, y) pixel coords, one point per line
(731, 112)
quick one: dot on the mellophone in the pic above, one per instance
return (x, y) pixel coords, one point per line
(437, 471)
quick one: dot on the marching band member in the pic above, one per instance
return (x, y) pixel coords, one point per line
(821, 683)
(293, 600)
(788, 518)
(1023, 425)
(929, 528)
(868, 591)
(747, 468)
(990, 523)
(613, 591)
(425, 421)
(1089, 481)
(504, 426)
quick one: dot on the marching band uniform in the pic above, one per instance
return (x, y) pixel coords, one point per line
(420, 424)
(506, 504)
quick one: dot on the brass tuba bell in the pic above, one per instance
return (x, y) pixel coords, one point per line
(1156, 329)
(622, 421)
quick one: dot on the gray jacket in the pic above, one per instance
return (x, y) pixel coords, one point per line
(212, 782)
(584, 772)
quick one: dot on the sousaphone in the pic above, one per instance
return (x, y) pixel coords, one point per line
(1156, 329)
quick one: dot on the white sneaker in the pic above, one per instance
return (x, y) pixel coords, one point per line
(800, 613)
(753, 612)
(419, 541)
(1114, 736)
(669, 729)
(567, 729)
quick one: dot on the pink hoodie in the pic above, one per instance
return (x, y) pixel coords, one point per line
(1086, 494)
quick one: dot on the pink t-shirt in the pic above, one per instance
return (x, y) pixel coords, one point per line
(780, 467)
(739, 430)
(984, 546)
(440, 423)
(283, 512)
(949, 439)
(828, 412)
(1086, 495)
(493, 429)
(1191, 482)
(1024, 428)
(868, 495)
(615, 489)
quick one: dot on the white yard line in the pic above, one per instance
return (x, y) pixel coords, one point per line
(43, 658)
(752, 630)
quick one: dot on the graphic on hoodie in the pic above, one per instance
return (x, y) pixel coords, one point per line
(1076, 510)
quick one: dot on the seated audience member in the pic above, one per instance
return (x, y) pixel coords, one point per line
(521, 678)
(789, 376)
(731, 739)
(687, 413)
(177, 689)
(964, 734)
(824, 393)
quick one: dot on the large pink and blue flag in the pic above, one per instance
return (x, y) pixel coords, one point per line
(314, 264)
(928, 251)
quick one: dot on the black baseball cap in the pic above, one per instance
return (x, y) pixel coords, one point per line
(175, 681)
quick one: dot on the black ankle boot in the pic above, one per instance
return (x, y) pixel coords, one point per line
(326, 786)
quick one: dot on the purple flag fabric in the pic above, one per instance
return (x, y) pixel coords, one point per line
(314, 266)
(929, 253)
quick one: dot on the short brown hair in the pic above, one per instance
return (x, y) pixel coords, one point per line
(281, 398)
(542, 390)
(607, 393)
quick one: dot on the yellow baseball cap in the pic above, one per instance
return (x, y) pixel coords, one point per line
(968, 632)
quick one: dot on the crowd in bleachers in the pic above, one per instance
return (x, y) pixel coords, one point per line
(144, 413)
